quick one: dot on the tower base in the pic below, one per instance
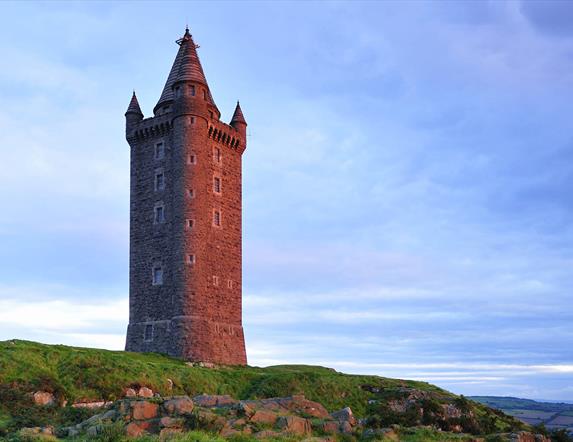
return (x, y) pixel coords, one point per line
(190, 338)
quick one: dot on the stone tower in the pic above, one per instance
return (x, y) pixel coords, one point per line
(185, 227)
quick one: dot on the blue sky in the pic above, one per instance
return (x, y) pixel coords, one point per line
(407, 183)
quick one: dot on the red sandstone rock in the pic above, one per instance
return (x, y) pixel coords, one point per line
(134, 430)
(170, 422)
(144, 410)
(145, 392)
(345, 427)
(264, 417)
(329, 427)
(179, 405)
(210, 401)
(294, 425)
(44, 398)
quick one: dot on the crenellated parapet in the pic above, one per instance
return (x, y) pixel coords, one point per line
(150, 128)
(226, 135)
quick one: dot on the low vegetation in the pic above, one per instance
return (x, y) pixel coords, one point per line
(416, 410)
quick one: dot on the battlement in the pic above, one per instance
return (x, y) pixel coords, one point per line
(226, 135)
(151, 127)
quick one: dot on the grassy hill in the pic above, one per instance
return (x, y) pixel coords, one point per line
(81, 374)
(554, 416)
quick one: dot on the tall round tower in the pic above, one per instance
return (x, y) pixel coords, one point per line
(186, 233)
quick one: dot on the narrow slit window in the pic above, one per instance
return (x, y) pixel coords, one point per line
(217, 218)
(148, 335)
(159, 181)
(157, 276)
(190, 193)
(159, 215)
(190, 223)
(217, 184)
(191, 159)
(204, 94)
(215, 281)
(230, 284)
(192, 90)
(159, 151)
(217, 155)
(191, 259)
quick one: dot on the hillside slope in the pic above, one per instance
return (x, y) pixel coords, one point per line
(80, 375)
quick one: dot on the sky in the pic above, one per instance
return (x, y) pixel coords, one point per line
(407, 182)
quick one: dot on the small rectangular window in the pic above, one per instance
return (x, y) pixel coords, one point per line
(177, 92)
(159, 181)
(148, 336)
(159, 215)
(217, 184)
(190, 193)
(191, 259)
(190, 223)
(159, 151)
(215, 281)
(204, 94)
(192, 90)
(217, 218)
(229, 284)
(217, 155)
(191, 159)
(157, 275)
(211, 114)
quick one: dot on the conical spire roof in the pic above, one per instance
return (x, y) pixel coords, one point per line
(238, 116)
(186, 67)
(133, 107)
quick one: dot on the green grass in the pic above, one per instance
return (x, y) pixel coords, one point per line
(81, 374)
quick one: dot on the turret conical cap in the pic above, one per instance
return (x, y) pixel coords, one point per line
(238, 116)
(133, 107)
(186, 67)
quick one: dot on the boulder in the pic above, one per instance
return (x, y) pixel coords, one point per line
(44, 398)
(182, 405)
(210, 401)
(264, 417)
(171, 422)
(294, 425)
(133, 429)
(145, 392)
(130, 392)
(345, 427)
(329, 427)
(344, 415)
(144, 410)
(450, 411)
(246, 408)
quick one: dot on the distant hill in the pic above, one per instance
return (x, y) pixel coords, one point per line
(554, 415)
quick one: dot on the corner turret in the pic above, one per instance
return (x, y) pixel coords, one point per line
(133, 115)
(238, 121)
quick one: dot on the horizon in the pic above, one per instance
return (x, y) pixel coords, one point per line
(406, 183)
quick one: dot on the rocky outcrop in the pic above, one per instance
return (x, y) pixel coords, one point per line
(264, 418)
(44, 398)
